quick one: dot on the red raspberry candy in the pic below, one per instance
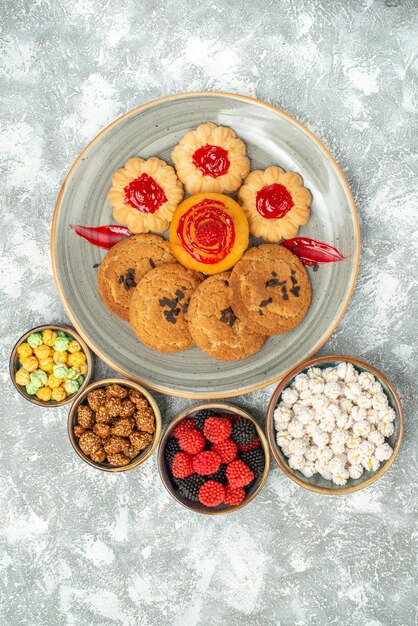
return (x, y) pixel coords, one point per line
(211, 493)
(256, 443)
(227, 450)
(206, 462)
(217, 429)
(183, 426)
(233, 497)
(182, 465)
(192, 441)
(239, 474)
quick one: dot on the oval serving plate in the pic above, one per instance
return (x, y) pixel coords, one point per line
(272, 138)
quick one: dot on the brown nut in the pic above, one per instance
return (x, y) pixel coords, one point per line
(79, 430)
(101, 430)
(96, 398)
(99, 456)
(102, 415)
(115, 444)
(137, 397)
(113, 406)
(145, 420)
(122, 426)
(89, 442)
(139, 441)
(127, 408)
(85, 416)
(118, 460)
(116, 391)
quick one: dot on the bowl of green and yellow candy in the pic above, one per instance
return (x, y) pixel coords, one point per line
(50, 365)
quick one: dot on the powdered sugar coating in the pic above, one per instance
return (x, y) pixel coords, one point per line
(334, 422)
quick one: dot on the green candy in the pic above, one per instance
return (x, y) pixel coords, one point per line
(34, 340)
(80, 379)
(39, 377)
(71, 386)
(31, 388)
(60, 370)
(73, 373)
(61, 333)
(61, 344)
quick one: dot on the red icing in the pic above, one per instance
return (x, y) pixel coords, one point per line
(144, 194)
(211, 160)
(207, 232)
(274, 201)
(311, 251)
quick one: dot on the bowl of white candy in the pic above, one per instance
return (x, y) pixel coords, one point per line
(335, 424)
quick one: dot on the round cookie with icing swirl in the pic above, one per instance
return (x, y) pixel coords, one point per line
(211, 158)
(276, 203)
(209, 233)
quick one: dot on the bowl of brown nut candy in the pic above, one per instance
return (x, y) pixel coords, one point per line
(114, 425)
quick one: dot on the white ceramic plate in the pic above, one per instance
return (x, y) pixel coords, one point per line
(272, 138)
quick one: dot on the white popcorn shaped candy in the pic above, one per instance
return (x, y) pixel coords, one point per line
(330, 374)
(296, 461)
(337, 464)
(358, 414)
(387, 415)
(342, 370)
(366, 380)
(322, 468)
(361, 428)
(332, 390)
(283, 438)
(376, 388)
(340, 478)
(297, 446)
(316, 385)
(308, 469)
(370, 463)
(350, 373)
(380, 401)
(314, 372)
(366, 448)
(325, 454)
(320, 438)
(352, 391)
(365, 400)
(301, 382)
(355, 471)
(376, 437)
(289, 396)
(373, 416)
(386, 428)
(319, 403)
(311, 453)
(328, 422)
(296, 428)
(311, 428)
(354, 456)
(346, 405)
(383, 452)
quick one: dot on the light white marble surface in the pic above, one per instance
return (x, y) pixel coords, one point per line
(82, 548)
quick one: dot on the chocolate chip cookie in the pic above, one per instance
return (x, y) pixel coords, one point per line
(215, 327)
(124, 266)
(271, 292)
(159, 307)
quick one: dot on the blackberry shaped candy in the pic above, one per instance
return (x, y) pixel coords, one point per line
(243, 432)
(255, 461)
(189, 487)
(220, 475)
(200, 418)
(171, 448)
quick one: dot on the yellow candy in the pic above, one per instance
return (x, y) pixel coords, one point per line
(43, 351)
(44, 393)
(24, 350)
(76, 360)
(83, 369)
(58, 394)
(74, 346)
(47, 365)
(49, 336)
(30, 363)
(53, 382)
(22, 376)
(60, 357)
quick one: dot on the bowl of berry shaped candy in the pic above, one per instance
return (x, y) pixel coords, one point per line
(213, 458)
(335, 424)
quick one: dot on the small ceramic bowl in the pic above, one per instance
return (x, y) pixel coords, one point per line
(317, 483)
(82, 398)
(14, 365)
(166, 474)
